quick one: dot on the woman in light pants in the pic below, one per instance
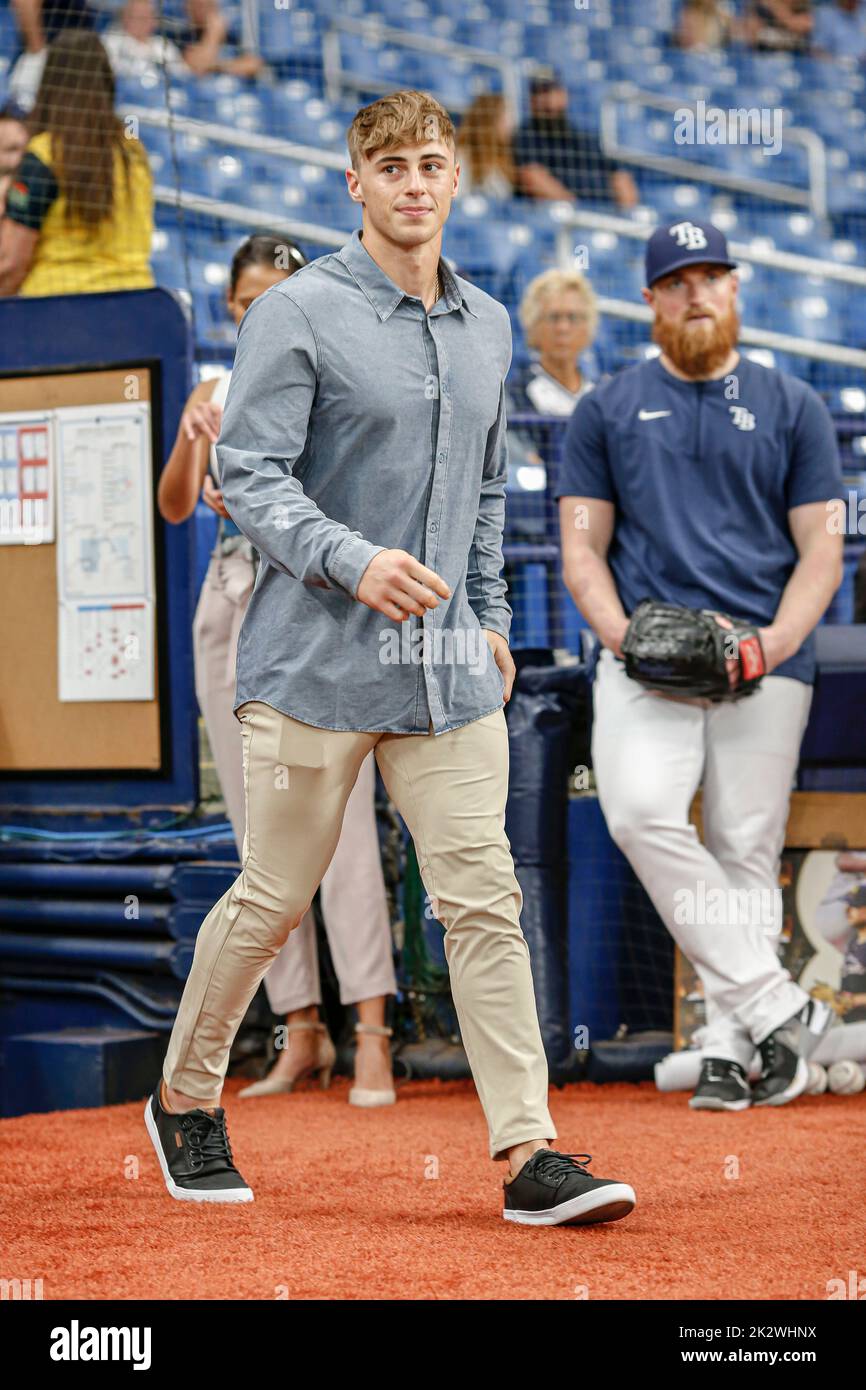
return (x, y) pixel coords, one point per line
(354, 903)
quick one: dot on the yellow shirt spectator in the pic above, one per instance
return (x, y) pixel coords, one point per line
(71, 257)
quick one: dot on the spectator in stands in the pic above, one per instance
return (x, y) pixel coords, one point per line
(79, 211)
(840, 31)
(554, 160)
(133, 45)
(705, 26)
(354, 902)
(40, 21)
(778, 26)
(203, 42)
(484, 148)
(13, 139)
(559, 315)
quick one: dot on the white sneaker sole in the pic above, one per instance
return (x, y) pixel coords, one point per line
(713, 1103)
(793, 1090)
(185, 1194)
(604, 1204)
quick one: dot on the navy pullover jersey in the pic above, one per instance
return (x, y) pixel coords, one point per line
(702, 476)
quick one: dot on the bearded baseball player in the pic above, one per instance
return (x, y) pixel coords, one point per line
(700, 481)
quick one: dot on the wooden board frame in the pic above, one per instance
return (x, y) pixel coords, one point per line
(40, 735)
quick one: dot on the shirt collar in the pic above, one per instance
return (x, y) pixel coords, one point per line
(381, 291)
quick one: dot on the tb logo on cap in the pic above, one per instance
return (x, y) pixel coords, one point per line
(688, 236)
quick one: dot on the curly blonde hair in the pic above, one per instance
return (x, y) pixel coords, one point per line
(544, 287)
(406, 117)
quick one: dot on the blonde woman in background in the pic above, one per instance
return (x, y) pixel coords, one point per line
(354, 903)
(484, 148)
(559, 314)
(705, 26)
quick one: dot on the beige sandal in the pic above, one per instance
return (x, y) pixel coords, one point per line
(326, 1056)
(370, 1099)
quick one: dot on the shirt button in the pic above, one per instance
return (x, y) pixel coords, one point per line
(441, 458)
(434, 525)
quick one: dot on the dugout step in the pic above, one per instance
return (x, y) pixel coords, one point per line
(77, 1069)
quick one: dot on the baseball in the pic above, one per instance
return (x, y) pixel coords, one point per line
(846, 1078)
(817, 1083)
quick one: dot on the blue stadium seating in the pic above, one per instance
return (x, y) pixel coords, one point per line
(592, 47)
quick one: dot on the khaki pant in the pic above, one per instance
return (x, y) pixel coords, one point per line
(451, 792)
(354, 901)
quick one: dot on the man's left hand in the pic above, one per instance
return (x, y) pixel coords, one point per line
(503, 658)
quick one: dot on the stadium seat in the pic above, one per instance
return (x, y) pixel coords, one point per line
(291, 35)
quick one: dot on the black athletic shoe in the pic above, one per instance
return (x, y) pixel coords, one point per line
(552, 1189)
(785, 1069)
(723, 1085)
(195, 1154)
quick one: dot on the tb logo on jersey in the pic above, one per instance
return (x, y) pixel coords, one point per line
(741, 417)
(688, 235)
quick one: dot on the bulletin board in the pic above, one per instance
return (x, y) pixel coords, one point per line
(39, 731)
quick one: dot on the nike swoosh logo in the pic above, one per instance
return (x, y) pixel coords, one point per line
(652, 414)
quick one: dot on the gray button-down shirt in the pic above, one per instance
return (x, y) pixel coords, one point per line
(357, 422)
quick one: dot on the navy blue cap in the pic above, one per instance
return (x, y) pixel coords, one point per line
(856, 897)
(685, 242)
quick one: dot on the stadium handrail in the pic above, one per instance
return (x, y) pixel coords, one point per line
(230, 135)
(565, 213)
(336, 77)
(814, 197)
(755, 337)
(333, 238)
(570, 217)
(250, 217)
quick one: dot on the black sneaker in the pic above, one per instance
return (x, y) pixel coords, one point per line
(552, 1189)
(785, 1068)
(195, 1154)
(723, 1085)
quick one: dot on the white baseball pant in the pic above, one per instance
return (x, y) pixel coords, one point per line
(650, 754)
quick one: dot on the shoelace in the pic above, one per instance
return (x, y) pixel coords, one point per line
(767, 1050)
(208, 1139)
(715, 1070)
(553, 1164)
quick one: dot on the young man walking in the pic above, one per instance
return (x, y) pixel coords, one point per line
(363, 453)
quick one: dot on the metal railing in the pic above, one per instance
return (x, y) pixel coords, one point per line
(252, 218)
(814, 197)
(755, 337)
(570, 218)
(242, 139)
(745, 251)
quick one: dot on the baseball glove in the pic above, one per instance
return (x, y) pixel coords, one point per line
(684, 652)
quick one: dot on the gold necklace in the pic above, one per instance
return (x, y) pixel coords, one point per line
(437, 291)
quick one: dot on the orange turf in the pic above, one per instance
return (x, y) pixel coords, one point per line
(343, 1209)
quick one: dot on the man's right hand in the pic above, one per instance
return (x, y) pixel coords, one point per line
(396, 584)
(613, 636)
